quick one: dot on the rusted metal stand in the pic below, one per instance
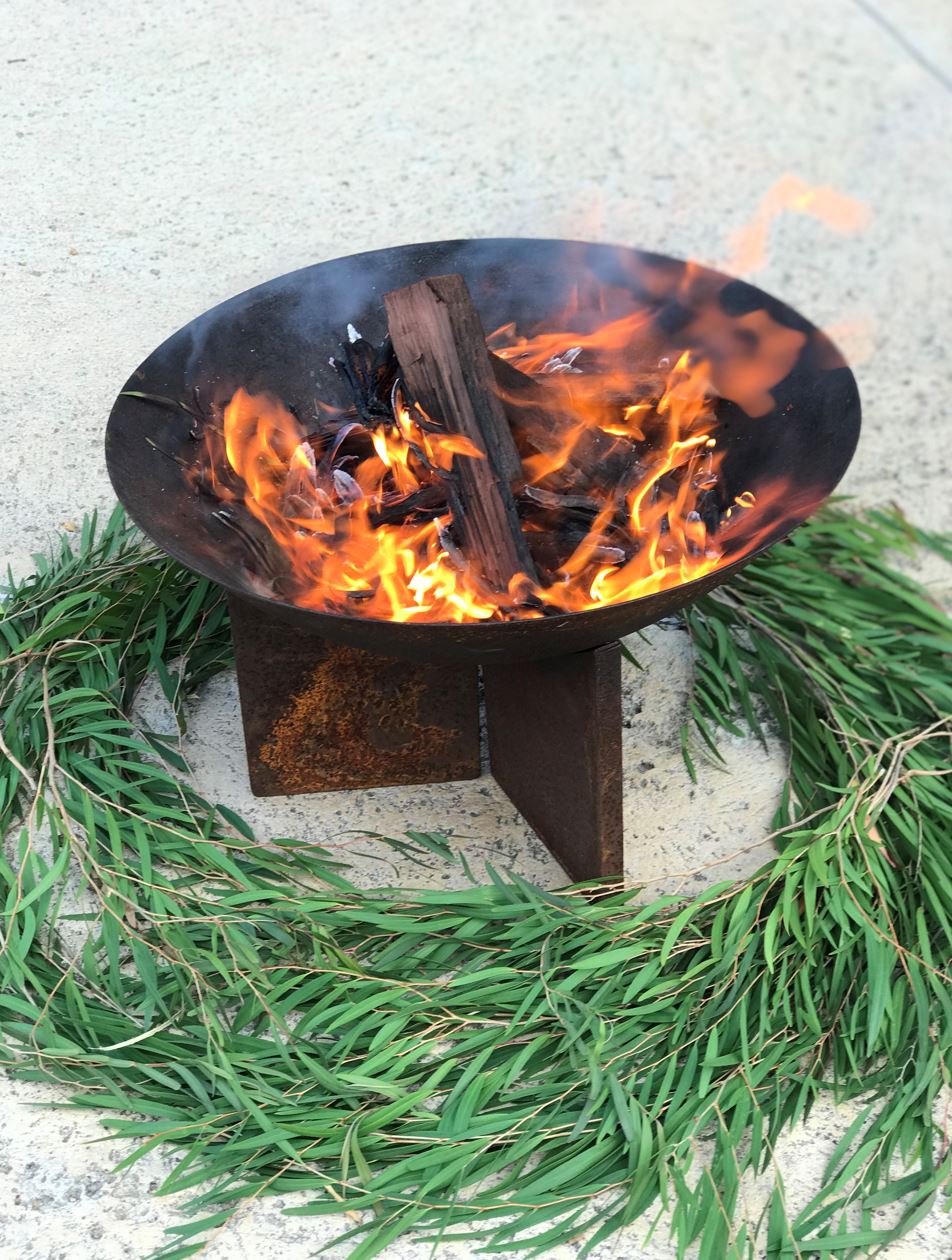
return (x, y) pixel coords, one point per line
(321, 716)
(555, 750)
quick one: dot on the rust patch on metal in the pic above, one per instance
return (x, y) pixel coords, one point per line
(360, 720)
(322, 717)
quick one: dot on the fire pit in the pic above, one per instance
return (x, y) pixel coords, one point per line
(414, 464)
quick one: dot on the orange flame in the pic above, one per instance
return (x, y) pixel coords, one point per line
(343, 557)
(834, 209)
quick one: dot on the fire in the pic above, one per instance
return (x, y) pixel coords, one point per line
(620, 495)
(829, 206)
(325, 502)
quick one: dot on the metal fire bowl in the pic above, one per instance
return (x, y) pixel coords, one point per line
(278, 337)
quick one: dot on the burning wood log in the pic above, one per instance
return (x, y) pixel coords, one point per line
(441, 347)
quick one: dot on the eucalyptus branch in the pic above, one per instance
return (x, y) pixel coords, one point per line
(505, 1064)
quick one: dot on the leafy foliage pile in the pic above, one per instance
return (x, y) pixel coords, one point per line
(501, 1063)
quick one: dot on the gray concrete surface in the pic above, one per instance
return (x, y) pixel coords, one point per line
(156, 159)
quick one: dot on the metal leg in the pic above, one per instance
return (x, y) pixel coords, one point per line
(321, 716)
(555, 749)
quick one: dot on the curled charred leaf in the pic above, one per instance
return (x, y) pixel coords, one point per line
(161, 400)
(369, 374)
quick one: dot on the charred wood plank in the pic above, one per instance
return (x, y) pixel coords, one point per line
(441, 347)
(540, 413)
(553, 548)
(428, 501)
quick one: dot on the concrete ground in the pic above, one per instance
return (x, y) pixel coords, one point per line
(157, 159)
